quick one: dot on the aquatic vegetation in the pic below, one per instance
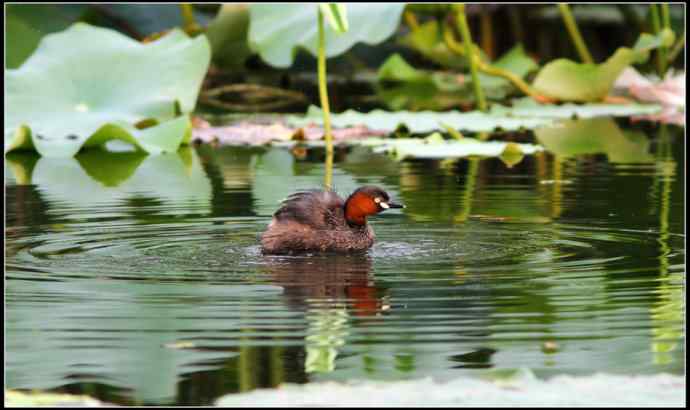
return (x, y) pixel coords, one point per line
(565, 80)
(403, 86)
(669, 92)
(110, 87)
(435, 147)
(524, 114)
(276, 31)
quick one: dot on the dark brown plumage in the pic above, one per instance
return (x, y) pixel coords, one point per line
(322, 221)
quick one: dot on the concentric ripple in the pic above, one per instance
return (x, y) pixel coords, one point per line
(131, 287)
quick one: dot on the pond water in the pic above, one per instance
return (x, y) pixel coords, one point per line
(139, 280)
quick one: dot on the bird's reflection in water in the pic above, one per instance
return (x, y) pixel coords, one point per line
(330, 289)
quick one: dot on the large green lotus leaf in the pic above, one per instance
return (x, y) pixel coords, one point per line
(276, 30)
(425, 90)
(566, 80)
(515, 61)
(595, 136)
(403, 86)
(26, 24)
(86, 85)
(227, 34)
(428, 41)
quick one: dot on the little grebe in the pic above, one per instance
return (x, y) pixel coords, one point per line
(322, 221)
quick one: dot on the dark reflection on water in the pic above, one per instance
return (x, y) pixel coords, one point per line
(138, 280)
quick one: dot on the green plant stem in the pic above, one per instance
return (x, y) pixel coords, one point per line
(574, 32)
(487, 34)
(677, 48)
(472, 58)
(323, 94)
(661, 52)
(411, 20)
(190, 26)
(665, 16)
(482, 66)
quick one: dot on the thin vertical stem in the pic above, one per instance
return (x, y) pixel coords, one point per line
(190, 25)
(661, 52)
(323, 94)
(665, 16)
(471, 56)
(574, 32)
(411, 20)
(677, 48)
(487, 33)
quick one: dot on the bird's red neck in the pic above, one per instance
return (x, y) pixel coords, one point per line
(358, 207)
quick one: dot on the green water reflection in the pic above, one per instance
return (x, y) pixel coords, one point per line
(138, 279)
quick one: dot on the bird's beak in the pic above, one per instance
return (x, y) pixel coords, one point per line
(394, 205)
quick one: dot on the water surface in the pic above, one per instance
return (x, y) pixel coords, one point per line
(139, 280)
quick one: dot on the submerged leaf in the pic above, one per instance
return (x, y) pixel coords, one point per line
(66, 96)
(276, 30)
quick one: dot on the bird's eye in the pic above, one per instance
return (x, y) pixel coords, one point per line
(377, 200)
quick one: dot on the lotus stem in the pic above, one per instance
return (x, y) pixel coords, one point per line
(574, 32)
(487, 33)
(190, 26)
(472, 58)
(661, 52)
(677, 48)
(411, 20)
(323, 94)
(482, 66)
(665, 15)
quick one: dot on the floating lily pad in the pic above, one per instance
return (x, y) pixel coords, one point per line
(87, 85)
(15, 398)
(421, 122)
(435, 147)
(276, 30)
(527, 107)
(524, 115)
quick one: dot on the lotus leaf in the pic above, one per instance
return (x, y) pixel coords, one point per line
(566, 80)
(435, 147)
(595, 136)
(87, 85)
(26, 24)
(524, 115)
(275, 31)
(227, 33)
(420, 89)
(427, 40)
